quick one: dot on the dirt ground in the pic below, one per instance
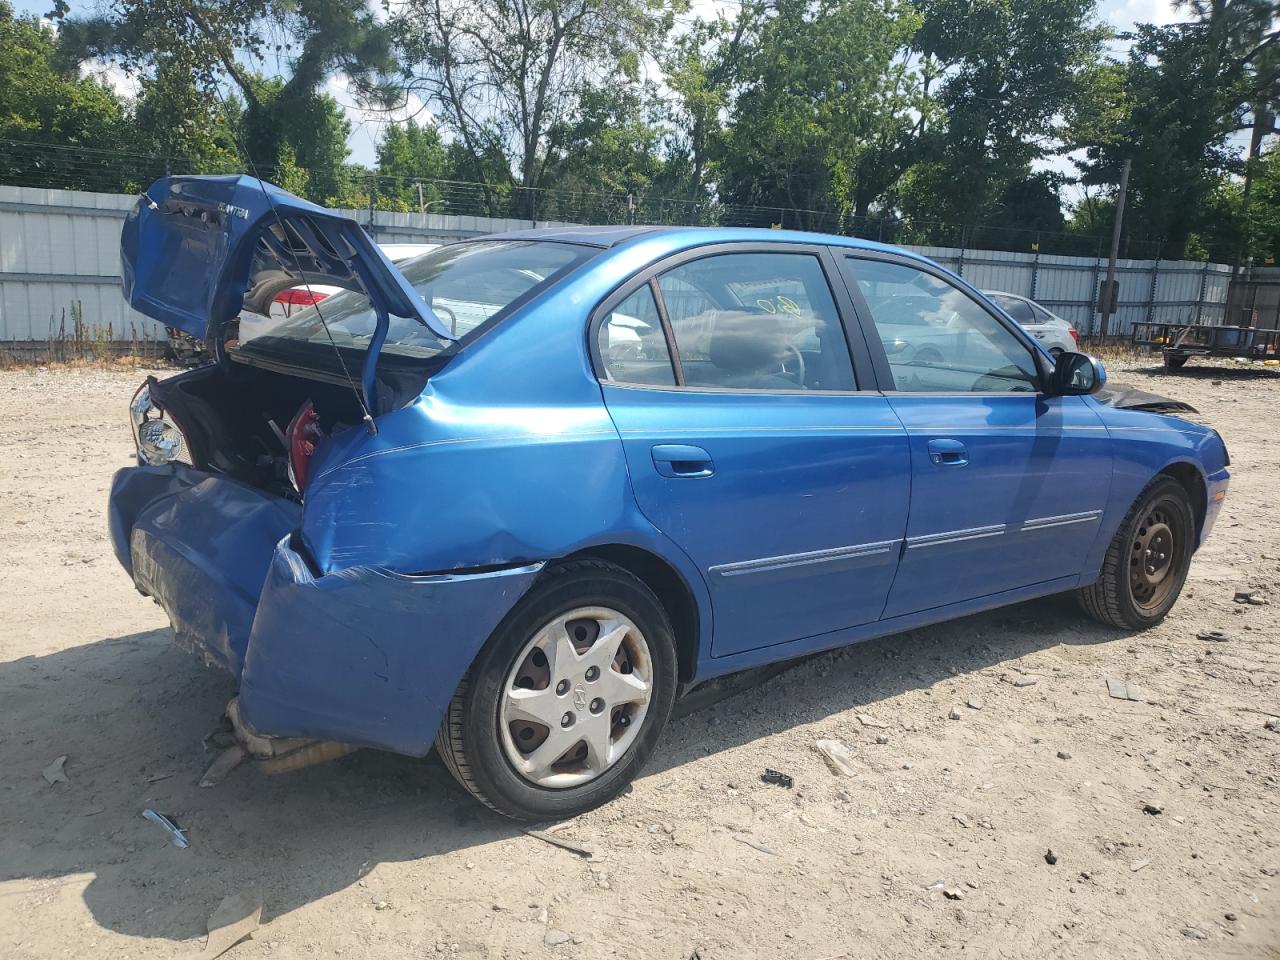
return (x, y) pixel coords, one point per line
(382, 856)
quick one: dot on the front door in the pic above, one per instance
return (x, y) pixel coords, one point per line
(1007, 485)
(748, 443)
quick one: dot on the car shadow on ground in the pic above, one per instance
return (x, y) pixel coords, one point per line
(1243, 371)
(130, 714)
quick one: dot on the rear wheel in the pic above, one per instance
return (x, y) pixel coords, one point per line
(566, 701)
(1146, 563)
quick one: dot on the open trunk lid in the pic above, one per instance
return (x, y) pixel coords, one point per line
(195, 251)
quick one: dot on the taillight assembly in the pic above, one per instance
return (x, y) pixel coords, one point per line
(300, 297)
(301, 438)
(1075, 335)
(156, 434)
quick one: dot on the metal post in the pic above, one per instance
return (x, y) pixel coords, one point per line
(1204, 288)
(1115, 249)
(1035, 268)
(1155, 281)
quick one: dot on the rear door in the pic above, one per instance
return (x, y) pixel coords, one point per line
(1007, 485)
(749, 441)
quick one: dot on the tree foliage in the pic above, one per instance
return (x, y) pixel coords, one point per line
(44, 105)
(939, 121)
(1171, 108)
(502, 75)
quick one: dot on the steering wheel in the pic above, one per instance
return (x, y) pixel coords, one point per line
(798, 374)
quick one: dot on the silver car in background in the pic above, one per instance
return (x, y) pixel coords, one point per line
(1054, 334)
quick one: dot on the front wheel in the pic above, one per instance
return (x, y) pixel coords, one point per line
(1147, 561)
(566, 701)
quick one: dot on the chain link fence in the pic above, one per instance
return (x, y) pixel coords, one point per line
(30, 164)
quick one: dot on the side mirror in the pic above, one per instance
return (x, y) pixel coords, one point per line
(1076, 374)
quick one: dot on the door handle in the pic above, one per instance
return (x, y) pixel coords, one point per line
(682, 460)
(948, 453)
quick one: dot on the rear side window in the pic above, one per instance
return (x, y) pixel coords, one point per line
(1041, 314)
(632, 343)
(1020, 310)
(756, 321)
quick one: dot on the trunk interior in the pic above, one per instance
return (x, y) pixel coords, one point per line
(235, 418)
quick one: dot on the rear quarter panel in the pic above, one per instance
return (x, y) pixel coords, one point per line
(508, 457)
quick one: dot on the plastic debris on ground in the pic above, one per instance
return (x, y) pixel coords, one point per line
(1125, 690)
(755, 844)
(839, 757)
(778, 778)
(176, 833)
(53, 773)
(226, 761)
(236, 918)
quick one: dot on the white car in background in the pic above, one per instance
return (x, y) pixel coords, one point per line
(1055, 334)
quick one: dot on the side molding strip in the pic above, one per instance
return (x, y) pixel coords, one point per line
(955, 536)
(766, 564)
(1043, 523)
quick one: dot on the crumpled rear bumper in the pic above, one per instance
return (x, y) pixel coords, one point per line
(363, 655)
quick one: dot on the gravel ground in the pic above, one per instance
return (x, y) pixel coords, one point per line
(937, 845)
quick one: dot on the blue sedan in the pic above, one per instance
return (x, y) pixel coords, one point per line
(515, 497)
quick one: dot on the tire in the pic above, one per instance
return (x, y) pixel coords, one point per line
(1125, 595)
(478, 739)
(1175, 361)
(1056, 352)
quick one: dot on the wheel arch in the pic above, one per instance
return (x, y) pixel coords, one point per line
(1193, 481)
(671, 588)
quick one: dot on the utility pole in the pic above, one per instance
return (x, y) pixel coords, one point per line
(1108, 293)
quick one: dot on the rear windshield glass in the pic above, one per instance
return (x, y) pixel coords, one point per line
(467, 285)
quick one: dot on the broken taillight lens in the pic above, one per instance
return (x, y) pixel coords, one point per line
(299, 297)
(301, 438)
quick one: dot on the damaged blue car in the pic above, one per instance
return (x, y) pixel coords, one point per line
(514, 497)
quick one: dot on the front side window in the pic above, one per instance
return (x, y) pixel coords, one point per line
(756, 321)
(937, 338)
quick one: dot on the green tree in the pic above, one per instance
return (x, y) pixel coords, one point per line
(1003, 73)
(501, 76)
(1171, 107)
(174, 120)
(823, 101)
(611, 152)
(221, 43)
(61, 130)
(407, 155)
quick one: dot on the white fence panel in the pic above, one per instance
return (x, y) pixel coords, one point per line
(62, 247)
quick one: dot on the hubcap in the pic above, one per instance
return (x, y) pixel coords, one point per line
(1151, 559)
(576, 698)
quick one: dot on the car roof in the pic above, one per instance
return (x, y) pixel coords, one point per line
(608, 236)
(678, 237)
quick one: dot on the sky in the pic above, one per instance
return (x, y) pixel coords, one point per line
(366, 127)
